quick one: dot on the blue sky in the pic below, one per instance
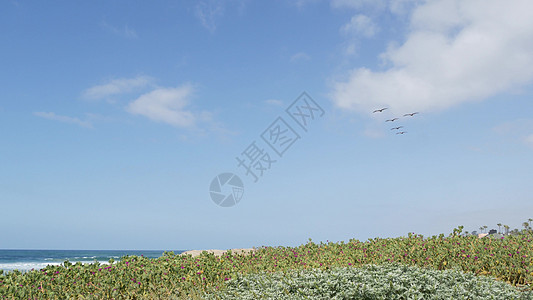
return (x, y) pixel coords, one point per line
(115, 116)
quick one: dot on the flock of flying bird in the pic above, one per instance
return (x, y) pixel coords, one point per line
(394, 119)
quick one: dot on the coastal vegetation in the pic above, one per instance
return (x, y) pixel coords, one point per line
(410, 267)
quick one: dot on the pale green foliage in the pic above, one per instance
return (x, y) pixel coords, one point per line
(390, 281)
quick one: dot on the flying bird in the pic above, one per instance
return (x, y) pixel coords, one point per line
(391, 120)
(401, 132)
(379, 110)
(395, 128)
(411, 114)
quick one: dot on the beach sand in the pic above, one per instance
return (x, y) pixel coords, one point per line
(217, 252)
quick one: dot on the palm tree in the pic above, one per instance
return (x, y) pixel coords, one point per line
(506, 229)
(485, 227)
(525, 225)
(481, 229)
(499, 227)
(530, 220)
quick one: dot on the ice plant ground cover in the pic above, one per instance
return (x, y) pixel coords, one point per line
(388, 281)
(507, 261)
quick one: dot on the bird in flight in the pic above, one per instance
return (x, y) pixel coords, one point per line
(395, 128)
(401, 132)
(411, 114)
(379, 110)
(392, 120)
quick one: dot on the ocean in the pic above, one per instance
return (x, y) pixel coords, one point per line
(25, 260)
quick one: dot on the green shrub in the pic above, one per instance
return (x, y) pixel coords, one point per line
(509, 260)
(391, 281)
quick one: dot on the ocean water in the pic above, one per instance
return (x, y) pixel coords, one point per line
(25, 260)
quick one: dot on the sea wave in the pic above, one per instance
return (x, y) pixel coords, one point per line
(28, 266)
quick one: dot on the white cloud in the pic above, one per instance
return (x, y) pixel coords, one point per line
(300, 56)
(302, 3)
(166, 105)
(350, 48)
(398, 7)
(274, 102)
(361, 25)
(456, 51)
(401, 7)
(116, 87)
(208, 12)
(64, 119)
(355, 4)
(124, 32)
